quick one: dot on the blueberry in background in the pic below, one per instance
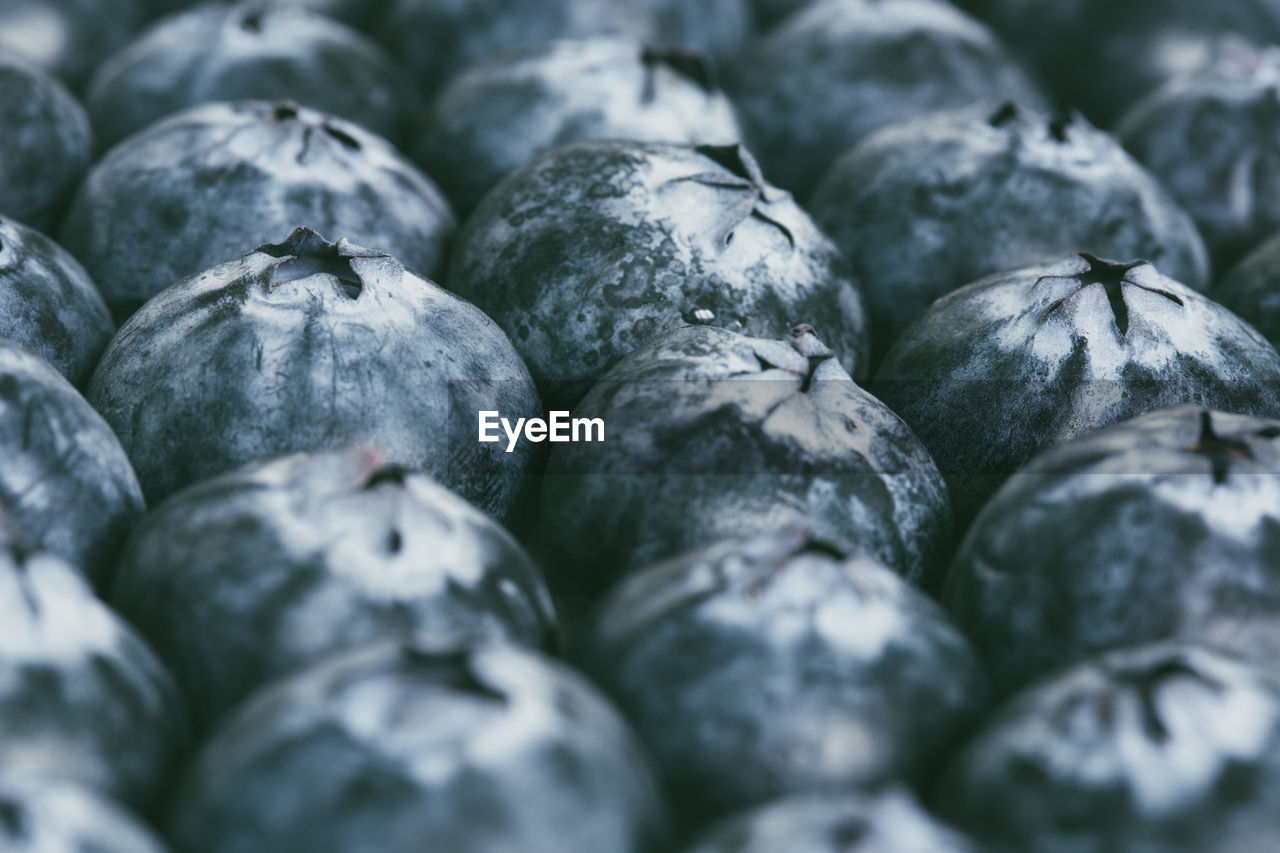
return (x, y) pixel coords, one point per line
(1165, 525)
(309, 345)
(499, 113)
(205, 186)
(65, 482)
(718, 28)
(1210, 139)
(1252, 289)
(836, 70)
(45, 137)
(356, 13)
(48, 304)
(40, 816)
(888, 822)
(713, 435)
(760, 668)
(67, 38)
(592, 248)
(1157, 749)
(927, 205)
(246, 51)
(261, 571)
(82, 698)
(425, 746)
(1008, 366)
(769, 12)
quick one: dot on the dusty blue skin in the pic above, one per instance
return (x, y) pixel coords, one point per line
(82, 698)
(245, 51)
(764, 667)
(259, 572)
(54, 817)
(402, 749)
(45, 136)
(351, 350)
(68, 38)
(1156, 749)
(65, 482)
(356, 13)
(205, 186)
(1250, 289)
(48, 303)
(1166, 525)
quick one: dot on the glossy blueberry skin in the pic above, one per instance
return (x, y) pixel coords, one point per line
(1165, 525)
(249, 52)
(837, 70)
(48, 304)
(591, 249)
(65, 481)
(207, 185)
(54, 817)
(259, 572)
(713, 435)
(760, 668)
(1250, 289)
(500, 113)
(890, 822)
(926, 206)
(67, 38)
(401, 749)
(1158, 749)
(45, 136)
(352, 349)
(82, 698)
(1008, 366)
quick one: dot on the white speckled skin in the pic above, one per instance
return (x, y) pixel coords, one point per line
(261, 571)
(765, 667)
(405, 749)
(41, 816)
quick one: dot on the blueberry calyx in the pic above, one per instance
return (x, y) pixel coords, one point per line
(687, 63)
(1004, 114)
(1147, 683)
(1219, 451)
(387, 474)
(307, 254)
(1113, 276)
(451, 669)
(745, 177)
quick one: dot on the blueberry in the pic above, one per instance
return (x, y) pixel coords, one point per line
(719, 28)
(207, 185)
(769, 12)
(82, 699)
(309, 345)
(48, 304)
(67, 38)
(1165, 525)
(355, 13)
(925, 206)
(592, 248)
(765, 667)
(838, 69)
(1008, 366)
(258, 572)
(889, 822)
(1162, 748)
(248, 51)
(38, 816)
(498, 114)
(65, 481)
(45, 136)
(711, 435)
(401, 749)
(1250, 290)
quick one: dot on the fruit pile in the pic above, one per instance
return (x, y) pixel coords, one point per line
(639, 426)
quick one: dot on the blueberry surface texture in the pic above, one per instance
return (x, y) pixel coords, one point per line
(352, 349)
(67, 38)
(1252, 289)
(42, 816)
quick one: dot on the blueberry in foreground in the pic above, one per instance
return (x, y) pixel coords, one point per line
(48, 304)
(205, 186)
(67, 38)
(889, 822)
(82, 698)
(713, 435)
(50, 817)
(1157, 749)
(926, 206)
(45, 136)
(259, 572)
(837, 70)
(498, 114)
(65, 481)
(594, 247)
(406, 748)
(249, 50)
(1011, 365)
(1252, 289)
(309, 345)
(765, 667)
(1166, 525)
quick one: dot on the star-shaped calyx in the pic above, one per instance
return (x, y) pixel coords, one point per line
(741, 175)
(1113, 277)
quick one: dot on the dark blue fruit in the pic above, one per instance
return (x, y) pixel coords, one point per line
(67, 38)
(1252, 289)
